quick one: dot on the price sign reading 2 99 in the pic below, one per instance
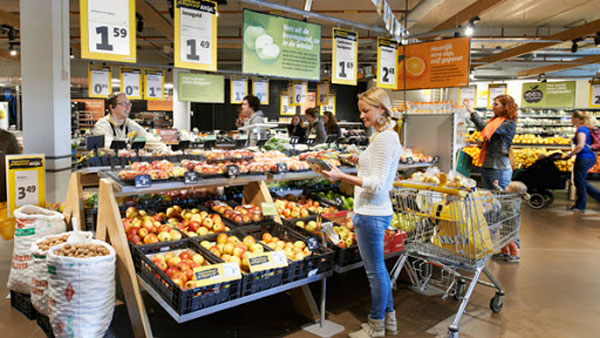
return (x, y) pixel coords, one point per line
(196, 35)
(108, 30)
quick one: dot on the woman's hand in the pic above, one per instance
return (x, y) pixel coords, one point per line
(333, 175)
(468, 106)
(353, 159)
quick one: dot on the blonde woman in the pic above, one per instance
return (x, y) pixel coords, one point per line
(377, 168)
(585, 158)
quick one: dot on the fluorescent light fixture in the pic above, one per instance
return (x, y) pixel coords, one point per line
(469, 30)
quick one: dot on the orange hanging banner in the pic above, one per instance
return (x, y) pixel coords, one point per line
(437, 64)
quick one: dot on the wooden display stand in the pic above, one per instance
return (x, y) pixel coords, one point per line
(73, 207)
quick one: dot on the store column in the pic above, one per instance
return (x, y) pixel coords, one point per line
(45, 73)
(181, 110)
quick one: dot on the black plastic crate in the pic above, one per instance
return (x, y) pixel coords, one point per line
(44, 323)
(182, 301)
(22, 302)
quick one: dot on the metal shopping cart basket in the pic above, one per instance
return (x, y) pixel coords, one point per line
(454, 230)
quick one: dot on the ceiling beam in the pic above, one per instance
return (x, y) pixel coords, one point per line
(154, 18)
(570, 34)
(560, 66)
(9, 19)
(474, 9)
(421, 10)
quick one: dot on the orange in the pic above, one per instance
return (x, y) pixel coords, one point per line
(415, 66)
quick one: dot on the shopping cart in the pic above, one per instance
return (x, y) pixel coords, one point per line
(454, 230)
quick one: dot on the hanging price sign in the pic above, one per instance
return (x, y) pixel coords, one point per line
(387, 55)
(468, 93)
(345, 56)
(330, 106)
(25, 177)
(131, 82)
(300, 89)
(108, 30)
(323, 93)
(196, 34)
(99, 81)
(154, 84)
(285, 106)
(595, 94)
(260, 89)
(239, 89)
(495, 90)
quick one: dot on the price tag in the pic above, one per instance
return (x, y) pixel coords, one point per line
(294, 140)
(108, 30)
(344, 57)
(387, 58)
(300, 90)
(25, 181)
(282, 167)
(267, 261)
(330, 106)
(269, 209)
(154, 84)
(239, 89)
(409, 160)
(595, 94)
(436, 159)
(99, 81)
(131, 82)
(216, 273)
(312, 243)
(142, 181)
(260, 89)
(190, 177)
(233, 170)
(196, 35)
(323, 94)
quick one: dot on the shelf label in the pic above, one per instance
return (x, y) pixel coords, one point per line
(267, 261)
(108, 30)
(387, 55)
(142, 181)
(312, 243)
(323, 94)
(344, 57)
(99, 81)
(26, 183)
(154, 84)
(282, 167)
(131, 83)
(190, 177)
(233, 170)
(216, 273)
(269, 209)
(260, 89)
(196, 34)
(239, 89)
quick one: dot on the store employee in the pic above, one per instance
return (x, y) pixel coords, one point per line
(251, 111)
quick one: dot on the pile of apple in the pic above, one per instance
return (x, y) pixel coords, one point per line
(271, 158)
(290, 210)
(157, 170)
(231, 250)
(223, 155)
(243, 214)
(194, 222)
(303, 204)
(345, 231)
(180, 267)
(141, 228)
(295, 251)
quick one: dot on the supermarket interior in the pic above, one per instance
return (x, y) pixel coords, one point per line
(299, 168)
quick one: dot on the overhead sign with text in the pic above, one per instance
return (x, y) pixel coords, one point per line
(131, 82)
(548, 94)
(276, 46)
(387, 56)
(344, 57)
(239, 89)
(196, 34)
(154, 84)
(437, 64)
(595, 94)
(260, 89)
(201, 88)
(99, 81)
(108, 30)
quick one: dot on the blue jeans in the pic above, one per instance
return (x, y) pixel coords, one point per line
(582, 166)
(369, 235)
(489, 175)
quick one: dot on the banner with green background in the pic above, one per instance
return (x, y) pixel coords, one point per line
(201, 88)
(548, 94)
(276, 46)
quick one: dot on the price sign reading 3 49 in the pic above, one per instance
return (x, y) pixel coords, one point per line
(195, 34)
(344, 56)
(386, 63)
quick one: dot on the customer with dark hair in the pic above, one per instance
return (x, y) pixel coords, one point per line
(316, 129)
(296, 128)
(250, 109)
(331, 124)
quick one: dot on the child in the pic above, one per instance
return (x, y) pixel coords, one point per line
(510, 252)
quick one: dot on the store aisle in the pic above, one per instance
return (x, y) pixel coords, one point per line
(553, 292)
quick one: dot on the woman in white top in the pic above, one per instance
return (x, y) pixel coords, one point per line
(377, 167)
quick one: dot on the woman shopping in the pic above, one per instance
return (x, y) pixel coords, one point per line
(296, 128)
(497, 137)
(585, 159)
(316, 129)
(377, 168)
(331, 125)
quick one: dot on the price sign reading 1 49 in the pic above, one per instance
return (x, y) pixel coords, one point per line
(195, 34)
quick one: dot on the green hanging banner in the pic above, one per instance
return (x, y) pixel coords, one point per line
(548, 95)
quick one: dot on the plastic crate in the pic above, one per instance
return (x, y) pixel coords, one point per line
(44, 323)
(182, 301)
(22, 302)
(320, 261)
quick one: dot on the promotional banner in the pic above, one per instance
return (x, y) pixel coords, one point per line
(25, 181)
(3, 115)
(239, 89)
(196, 34)
(285, 108)
(131, 82)
(468, 93)
(436, 64)
(323, 93)
(548, 94)
(154, 84)
(161, 105)
(201, 88)
(329, 106)
(299, 91)
(276, 46)
(107, 30)
(387, 54)
(260, 89)
(594, 94)
(344, 57)
(99, 81)
(494, 91)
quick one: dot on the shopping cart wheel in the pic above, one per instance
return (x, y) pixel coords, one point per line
(497, 302)
(548, 198)
(461, 289)
(536, 201)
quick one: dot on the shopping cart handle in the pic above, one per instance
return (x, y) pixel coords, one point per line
(445, 190)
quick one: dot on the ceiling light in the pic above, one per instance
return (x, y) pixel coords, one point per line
(469, 30)
(12, 50)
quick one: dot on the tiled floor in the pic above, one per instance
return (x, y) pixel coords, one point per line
(553, 292)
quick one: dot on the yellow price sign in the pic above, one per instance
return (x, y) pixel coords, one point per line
(26, 181)
(216, 273)
(267, 260)
(196, 34)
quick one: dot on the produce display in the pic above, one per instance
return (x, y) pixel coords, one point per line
(345, 231)
(291, 207)
(295, 251)
(243, 214)
(529, 139)
(158, 170)
(143, 229)
(82, 250)
(330, 156)
(273, 157)
(417, 156)
(230, 249)
(345, 202)
(194, 222)
(227, 155)
(525, 157)
(179, 266)
(52, 241)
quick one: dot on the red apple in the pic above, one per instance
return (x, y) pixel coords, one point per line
(183, 266)
(157, 218)
(175, 235)
(218, 227)
(190, 284)
(135, 240)
(248, 241)
(239, 251)
(207, 222)
(222, 238)
(228, 248)
(150, 239)
(215, 251)
(185, 255)
(131, 212)
(194, 226)
(173, 261)
(171, 271)
(132, 231)
(178, 282)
